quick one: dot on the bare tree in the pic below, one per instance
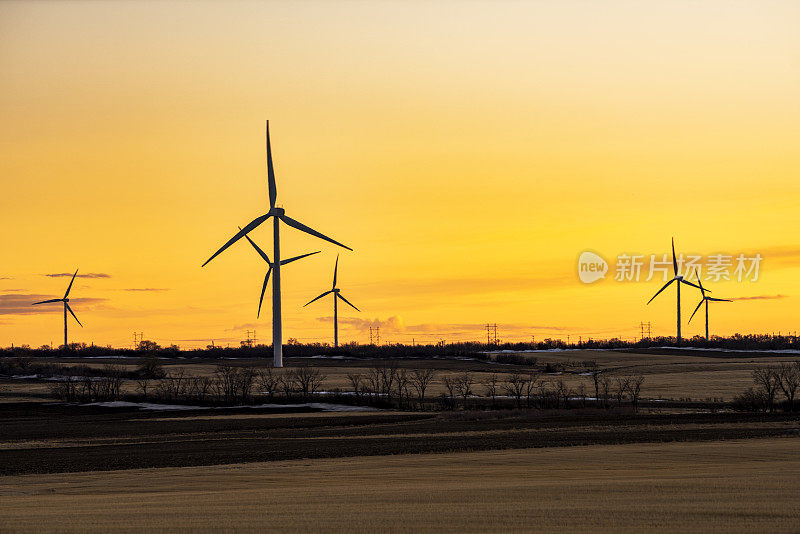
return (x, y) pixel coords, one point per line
(420, 380)
(142, 384)
(387, 375)
(514, 385)
(268, 382)
(450, 383)
(789, 381)
(287, 382)
(401, 384)
(356, 379)
(464, 386)
(635, 389)
(581, 392)
(620, 388)
(309, 380)
(530, 387)
(491, 383)
(562, 393)
(766, 378)
(605, 390)
(374, 381)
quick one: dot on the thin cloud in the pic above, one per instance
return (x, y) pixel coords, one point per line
(395, 325)
(146, 289)
(6, 278)
(761, 297)
(81, 275)
(243, 326)
(21, 304)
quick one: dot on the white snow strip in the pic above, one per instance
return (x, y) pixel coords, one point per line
(323, 406)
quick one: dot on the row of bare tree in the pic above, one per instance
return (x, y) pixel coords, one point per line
(770, 381)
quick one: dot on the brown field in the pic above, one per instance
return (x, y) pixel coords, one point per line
(730, 486)
(667, 376)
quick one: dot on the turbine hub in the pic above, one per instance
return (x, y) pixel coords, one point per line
(678, 277)
(336, 290)
(66, 300)
(277, 212)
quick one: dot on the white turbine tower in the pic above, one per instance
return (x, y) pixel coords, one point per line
(269, 271)
(705, 299)
(336, 296)
(279, 215)
(65, 300)
(680, 280)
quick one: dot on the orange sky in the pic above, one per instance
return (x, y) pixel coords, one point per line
(468, 152)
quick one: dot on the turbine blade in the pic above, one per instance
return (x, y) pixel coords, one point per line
(303, 228)
(319, 297)
(660, 290)
(699, 282)
(695, 310)
(674, 259)
(300, 257)
(718, 300)
(688, 283)
(347, 301)
(273, 190)
(263, 289)
(70, 283)
(335, 269)
(255, 222)
(73, 313)
(258, 249)
(47, 301)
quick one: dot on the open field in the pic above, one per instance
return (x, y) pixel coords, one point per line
(39, 438)
(730, 486)
(673, 375)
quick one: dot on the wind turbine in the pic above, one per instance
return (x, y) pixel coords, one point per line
(278, 215)
(676, 278)
(269, 271)
(65, 300)
(336, 296)
(705, 299)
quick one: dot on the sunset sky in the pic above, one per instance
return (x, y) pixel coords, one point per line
(468, 151)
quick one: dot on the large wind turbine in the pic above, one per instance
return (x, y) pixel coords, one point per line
(676, 278)
(279, 215)
(336, 296)
(269, 271)
(705, 299)
(65, 300)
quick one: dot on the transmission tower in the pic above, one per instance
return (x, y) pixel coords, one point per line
(374, 335)
(491, 334)
(138, 337)
(251, 341)
(645, 327)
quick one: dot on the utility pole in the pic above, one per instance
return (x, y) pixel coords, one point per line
(138, 337)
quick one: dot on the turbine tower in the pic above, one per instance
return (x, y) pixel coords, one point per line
(680, 280)
(278, 215)
(705, 299)
(269, 271)
(65, 300)
(336, 296)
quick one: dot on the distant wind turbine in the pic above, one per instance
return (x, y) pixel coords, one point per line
(65, 300)
(676, 278)
(269, 271)
(705, 299)
(336, 296)
(279, 215)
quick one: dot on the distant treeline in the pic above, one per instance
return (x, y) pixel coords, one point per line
(754, 342)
